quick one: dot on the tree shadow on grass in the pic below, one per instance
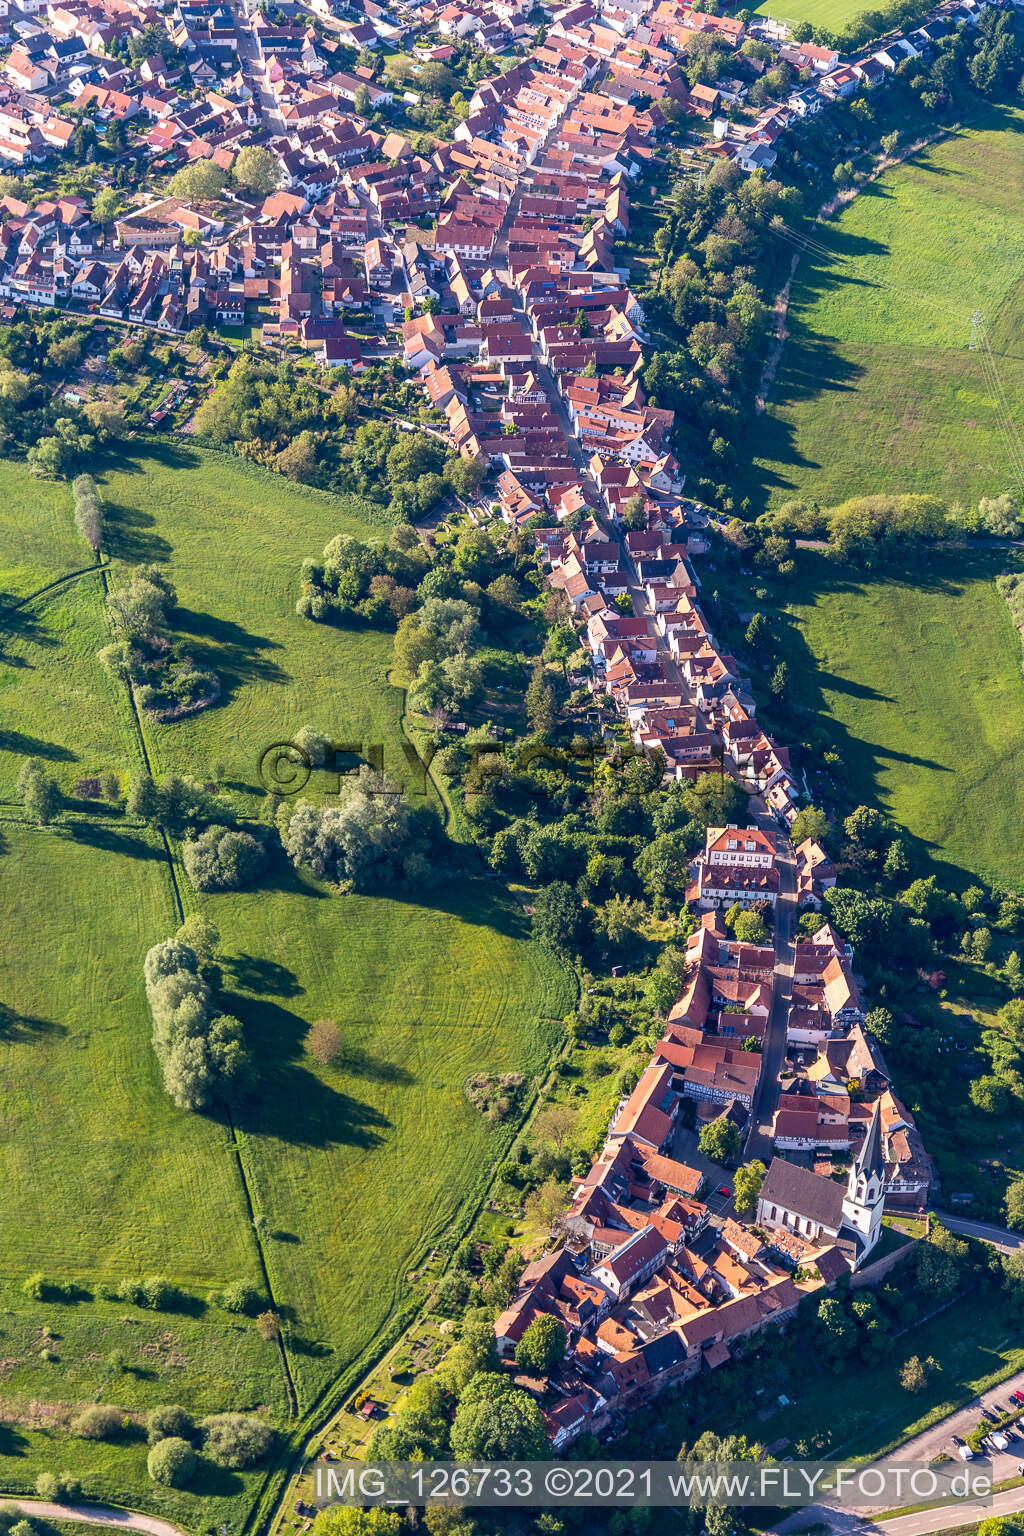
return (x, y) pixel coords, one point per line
(940, 571)
(289, 1102)
(230, 650)
(253, 974)
(112, 840)
(209, 1481)
(127, 535)
(473, 899)
(15, 1026)
(361, 1063)
(138, 461)
(22, 624)
(34, 746)
(12, 1441)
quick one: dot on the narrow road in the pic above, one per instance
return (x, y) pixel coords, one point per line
(1000, 1237)
(773, 1056)
(96, 1514)
(924, 1448)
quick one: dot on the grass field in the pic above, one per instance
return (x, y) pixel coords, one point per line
(920, 675)
(358, 1169)
(876, 1415)
(833, 14)
(878, 389)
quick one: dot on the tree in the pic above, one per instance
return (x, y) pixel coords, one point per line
(361, 101)
(88, 512)
(495, 1422)
(836, 1330)
(107, 206)
(324, 1041)
(349, 1520)
(865, 826)
(235, 1439)
(779, 680)
(171, 1462)
(201, 936)
(555, 1124)
(256, 169)
(915, 1373)
(758, 635)
(747, 1186)
(882, 1025)
(241, 1296)
(1014, 1203)
(540, 703)
(720, 1141)
(542, 1345)
(558, 920)
(268, 1326)
(50, 458)
(200, 182)
(749, 928)
(634, 513)
(809, 823)
(40, 795)
(222, 859)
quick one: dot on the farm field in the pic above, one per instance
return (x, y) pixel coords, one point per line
(354, 1171)
(878, 389)
(919, 673)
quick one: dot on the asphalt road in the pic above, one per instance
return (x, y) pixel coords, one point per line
(924, 1448)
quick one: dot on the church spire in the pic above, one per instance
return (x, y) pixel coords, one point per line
(869, 1159)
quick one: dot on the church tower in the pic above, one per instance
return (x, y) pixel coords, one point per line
(865, 1190)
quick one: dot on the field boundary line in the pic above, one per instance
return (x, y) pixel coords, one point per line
(331, 1399)
(51, 586)
(293, 1400)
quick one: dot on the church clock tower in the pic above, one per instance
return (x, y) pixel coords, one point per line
(865, 1190)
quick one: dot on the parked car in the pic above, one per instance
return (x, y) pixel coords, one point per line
(723, 1189)
(999, 1440)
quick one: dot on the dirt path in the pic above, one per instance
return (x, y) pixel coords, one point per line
(97, 1514)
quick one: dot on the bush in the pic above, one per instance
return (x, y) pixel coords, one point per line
(58, 1488)
(100, 1422)
(154, 1292)
(159, 1293)
(235, 1440)
(168, 1422)
(171, 1462)
(241, 1296)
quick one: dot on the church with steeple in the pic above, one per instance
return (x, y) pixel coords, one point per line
(819, 1210)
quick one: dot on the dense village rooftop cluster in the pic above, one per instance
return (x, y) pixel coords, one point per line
(533, 181)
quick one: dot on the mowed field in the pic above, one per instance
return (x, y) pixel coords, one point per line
(357, 1169)
(878, 389)
(833, 14)
(920, 672)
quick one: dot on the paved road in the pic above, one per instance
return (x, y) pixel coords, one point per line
(1000, 1237)
(96, 1514)
(924, 1448)
(773, 1056)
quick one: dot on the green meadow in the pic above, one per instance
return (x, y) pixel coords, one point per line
(878, 388)
(919, 675)
(354, 1171)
